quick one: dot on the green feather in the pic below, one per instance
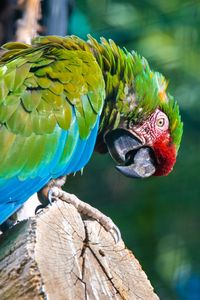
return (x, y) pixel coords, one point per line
(3, 90)
(40, 86)
(132, 88)
(43, 83)
(31, 99)
(21, 74)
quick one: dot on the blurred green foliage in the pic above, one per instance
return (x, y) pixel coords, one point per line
(159, 218)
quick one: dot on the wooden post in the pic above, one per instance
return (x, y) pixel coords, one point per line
(60, 255)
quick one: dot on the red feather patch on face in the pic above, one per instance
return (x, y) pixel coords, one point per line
(165, 153)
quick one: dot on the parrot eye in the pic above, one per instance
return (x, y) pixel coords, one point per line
(162, 121)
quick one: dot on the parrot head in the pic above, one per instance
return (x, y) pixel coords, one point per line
(143, 149)
(147, 144)
(140, 124)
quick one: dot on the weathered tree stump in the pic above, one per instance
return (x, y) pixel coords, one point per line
(59, 255)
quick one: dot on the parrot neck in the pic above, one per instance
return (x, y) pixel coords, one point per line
(117, 68)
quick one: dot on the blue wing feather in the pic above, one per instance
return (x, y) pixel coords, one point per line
(15, 191)
(88, 150)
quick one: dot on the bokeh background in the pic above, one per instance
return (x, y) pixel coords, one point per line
(159, 218)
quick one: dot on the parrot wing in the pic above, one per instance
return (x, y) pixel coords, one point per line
(50, 103)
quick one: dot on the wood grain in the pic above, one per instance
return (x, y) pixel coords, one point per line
(60, 255)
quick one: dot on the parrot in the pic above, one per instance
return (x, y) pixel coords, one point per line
(62, 98)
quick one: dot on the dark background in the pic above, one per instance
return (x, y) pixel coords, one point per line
(159, 218)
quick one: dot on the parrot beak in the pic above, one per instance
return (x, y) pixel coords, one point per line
(134, 159)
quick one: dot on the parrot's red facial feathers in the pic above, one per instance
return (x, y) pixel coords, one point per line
(154, 132)
(165, 153)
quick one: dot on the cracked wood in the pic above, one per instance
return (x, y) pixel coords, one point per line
(60, 255)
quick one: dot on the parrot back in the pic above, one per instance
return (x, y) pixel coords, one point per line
(51, 100)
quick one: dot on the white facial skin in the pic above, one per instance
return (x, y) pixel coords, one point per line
(152, 128)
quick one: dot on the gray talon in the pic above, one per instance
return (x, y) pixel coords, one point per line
(116, 234)
(51, 196)
(39, 209)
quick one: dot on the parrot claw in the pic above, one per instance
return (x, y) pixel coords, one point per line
(39, 209)
(109, 226)
(51, 196)
(116, 234)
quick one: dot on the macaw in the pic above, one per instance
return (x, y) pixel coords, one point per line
(61, 98)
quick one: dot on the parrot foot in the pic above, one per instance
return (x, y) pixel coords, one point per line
(45, 194)
(88, 210)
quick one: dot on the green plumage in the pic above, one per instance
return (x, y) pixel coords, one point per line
(60, 96)
(47, 80)
(133, 90)
(41, 84)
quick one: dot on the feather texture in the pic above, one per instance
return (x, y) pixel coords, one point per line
(56, 96)
(48, 119)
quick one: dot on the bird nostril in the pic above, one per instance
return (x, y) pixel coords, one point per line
(147, 130)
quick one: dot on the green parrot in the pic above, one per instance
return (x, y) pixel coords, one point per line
(61, 98)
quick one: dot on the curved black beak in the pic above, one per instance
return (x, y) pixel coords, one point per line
(135, 159)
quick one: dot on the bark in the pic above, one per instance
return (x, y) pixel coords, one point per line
(60, 255)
